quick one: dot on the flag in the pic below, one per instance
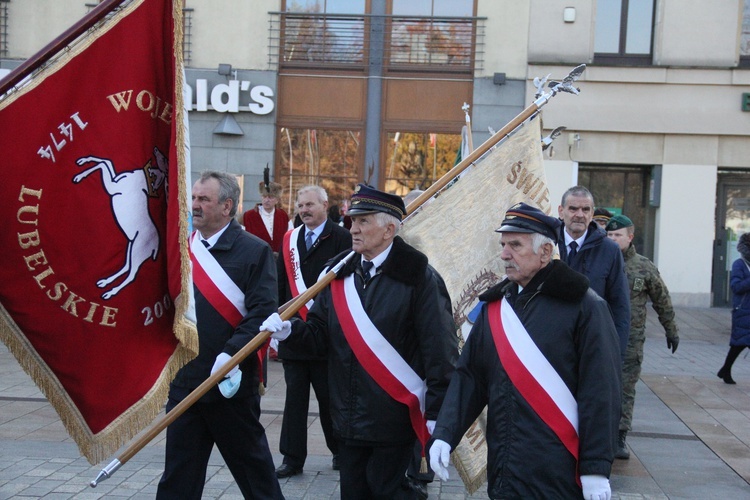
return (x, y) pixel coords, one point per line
(463, 148)
(465, 249)
(94, 281)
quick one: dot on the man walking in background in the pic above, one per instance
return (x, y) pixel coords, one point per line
(304, 253)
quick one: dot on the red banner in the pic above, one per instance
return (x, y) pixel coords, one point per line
(95, 247)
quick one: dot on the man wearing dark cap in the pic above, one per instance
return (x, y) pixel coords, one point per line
(543, 357)
(644, 282)
(391, 348)
(601, 217)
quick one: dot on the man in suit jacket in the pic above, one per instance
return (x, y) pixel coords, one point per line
(228, 419)
(298, 269)
(586, 248)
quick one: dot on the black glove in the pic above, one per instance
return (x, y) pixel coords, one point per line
(672, 343)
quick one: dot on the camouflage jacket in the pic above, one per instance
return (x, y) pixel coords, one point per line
(645, 282)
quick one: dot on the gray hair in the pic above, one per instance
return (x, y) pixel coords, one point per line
(383, 219)
(577, 191)
(229, 189)
(537, 240)
(322, 195)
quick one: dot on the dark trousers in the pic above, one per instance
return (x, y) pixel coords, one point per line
(233, 425)
(299, 375)
(374, 472)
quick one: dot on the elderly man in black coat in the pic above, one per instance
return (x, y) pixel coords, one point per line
(391, 348)
(543, 358)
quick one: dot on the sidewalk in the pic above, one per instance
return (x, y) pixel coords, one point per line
(690, 438)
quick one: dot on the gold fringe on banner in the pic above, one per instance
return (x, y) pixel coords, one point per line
(97, 447)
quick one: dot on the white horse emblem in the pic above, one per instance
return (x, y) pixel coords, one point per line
(129, 193)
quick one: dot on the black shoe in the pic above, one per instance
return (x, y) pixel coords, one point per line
(726, 375)
(418, 487)
(335, 462)
(622, 451)
(286, 470)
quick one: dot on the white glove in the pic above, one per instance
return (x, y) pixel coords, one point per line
(221, 360)
(274, 344)
(431, 426)
(596, 487)
(280, 330)
(440, 455)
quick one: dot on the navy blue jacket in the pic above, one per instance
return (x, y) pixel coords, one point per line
(601, 261)
(739, 280)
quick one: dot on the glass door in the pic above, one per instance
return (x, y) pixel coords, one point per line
(732, 220)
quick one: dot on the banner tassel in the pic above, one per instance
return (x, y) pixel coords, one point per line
(423, 466)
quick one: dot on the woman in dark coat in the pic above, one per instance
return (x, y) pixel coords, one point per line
(740, 282)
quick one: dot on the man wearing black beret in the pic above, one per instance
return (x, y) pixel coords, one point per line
(391, 348)
(542, 357)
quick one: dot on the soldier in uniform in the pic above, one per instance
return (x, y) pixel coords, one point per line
(644, 282)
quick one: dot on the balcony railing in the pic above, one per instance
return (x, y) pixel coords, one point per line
(409, 43)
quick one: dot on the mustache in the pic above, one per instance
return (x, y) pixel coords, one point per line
(512, 265)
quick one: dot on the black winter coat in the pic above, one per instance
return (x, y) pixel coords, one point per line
(573, 328)
(332, 241)
(250, 264)
(403, 301)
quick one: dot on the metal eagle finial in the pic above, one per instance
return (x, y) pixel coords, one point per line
(547, 141)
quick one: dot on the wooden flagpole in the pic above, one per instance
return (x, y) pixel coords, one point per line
(555, 87)
(288, 310)
(161, 423)
(58, 44)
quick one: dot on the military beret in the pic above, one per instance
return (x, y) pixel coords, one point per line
(523, 218)
(618, 222)
(368, 200)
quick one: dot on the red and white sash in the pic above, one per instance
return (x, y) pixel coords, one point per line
(290, 254)
(381, 361)
(533, 375)
(219, 289)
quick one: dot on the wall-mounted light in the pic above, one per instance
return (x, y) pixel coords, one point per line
(498, 78)
(569, 14)
(228, 126)
(225, 69)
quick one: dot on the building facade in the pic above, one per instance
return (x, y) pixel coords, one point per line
(337, 92)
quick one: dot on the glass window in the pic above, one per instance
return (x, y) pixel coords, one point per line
(623, 190)
(450, 8)
(326, 6)
(419, 39)
(416, 159)
(327, 158)
(745, 38)
(330, 38)
(624, 32)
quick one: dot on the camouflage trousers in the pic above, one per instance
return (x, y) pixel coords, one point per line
(631, 372)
